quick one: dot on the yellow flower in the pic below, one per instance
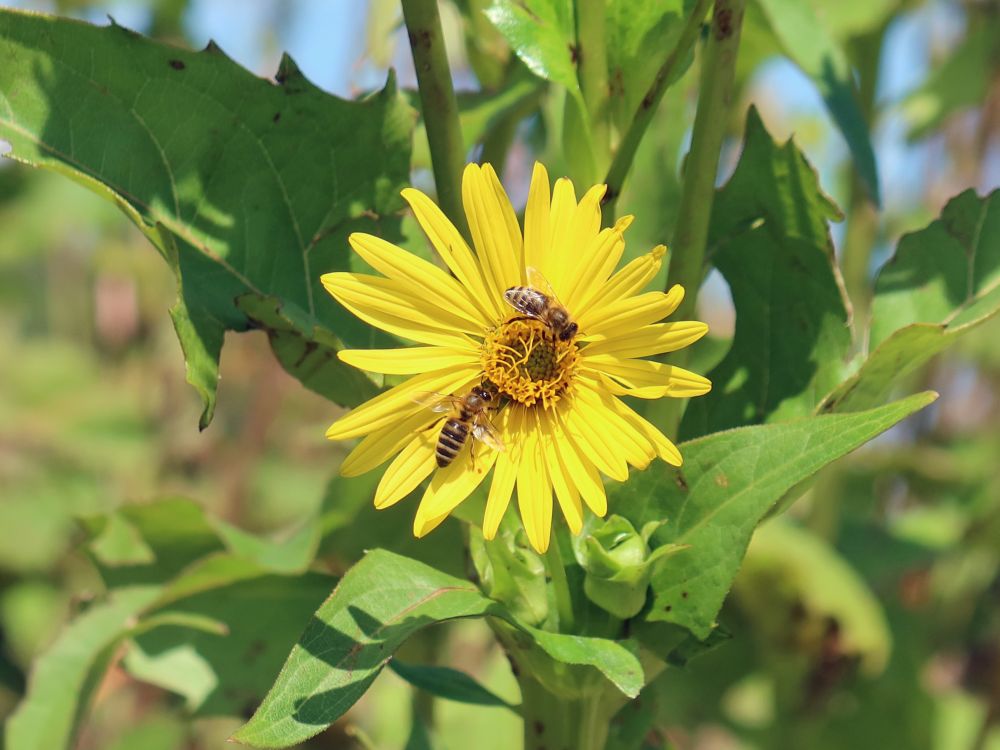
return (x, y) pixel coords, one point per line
(561, 423)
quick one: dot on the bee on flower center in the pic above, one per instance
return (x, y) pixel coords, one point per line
(542, 305)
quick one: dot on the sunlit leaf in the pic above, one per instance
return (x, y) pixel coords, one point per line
(381, 601)
(246, 186)
(728, 482)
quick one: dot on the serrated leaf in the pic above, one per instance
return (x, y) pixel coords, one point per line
(728, 483)
(808, 43)
(943, 282)
(771, 241)
(245, 186)
(63, 680)
(379, 603)
(448, 683)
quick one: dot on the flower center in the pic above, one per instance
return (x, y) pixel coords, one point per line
(527, 361)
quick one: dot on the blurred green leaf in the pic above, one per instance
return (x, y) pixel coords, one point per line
(245, 186)
(787, 568)
(943, 282)
(157, 732)
(728, 482)
(961, 82)
(63, 680)
(225, 674)
(808, 43)
(772, 243)
(448, 683)
(381, 601)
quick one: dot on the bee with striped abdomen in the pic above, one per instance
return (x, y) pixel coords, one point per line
(469, 416)
(538, 301)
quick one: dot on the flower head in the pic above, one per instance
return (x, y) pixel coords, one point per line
(543, 320)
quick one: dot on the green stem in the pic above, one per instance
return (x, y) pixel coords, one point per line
(687, 256)
(440, 107)
(560, 587)
(592, 72)
(862, 218)
(555, 722)
(647, 108)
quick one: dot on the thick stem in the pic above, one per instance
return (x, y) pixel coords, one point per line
(862, 218)
(687, 256)
(440, 107)
(592, 72)
(560, 587)
(553, 722)
(647, 108)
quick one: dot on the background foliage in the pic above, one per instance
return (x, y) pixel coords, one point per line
(154, 577)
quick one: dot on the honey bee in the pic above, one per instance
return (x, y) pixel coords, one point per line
(538, 301)
(468, 415)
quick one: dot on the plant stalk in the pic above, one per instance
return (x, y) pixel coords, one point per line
(592, 72)
(560, 587)
(555, 722)
(440, 107)
(625, 154)
(687, 256)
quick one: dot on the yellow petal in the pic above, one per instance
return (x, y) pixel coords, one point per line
(559, 252)
(580, 471)
(629, 314)
(406, 268)
(650, 340)
(595, 409)
(664, 448)
(398, 403)
(375, 449)
(536, 218)
(454, 251)
(562, 480)
(414, 464)
(598, 261)
(630, 280)
(588, 441)
(450, 486)
(646, 379)
(534, 493)
(506, 470)
(487, 212)
(409, 360)
(394, 307)
(582, 243)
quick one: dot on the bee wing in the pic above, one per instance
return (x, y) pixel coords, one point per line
(538, 281)
(436, 402)
(483, 430)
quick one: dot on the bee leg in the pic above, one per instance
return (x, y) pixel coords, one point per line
(472, 452)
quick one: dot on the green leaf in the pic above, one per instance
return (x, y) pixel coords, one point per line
(807, 42)
(787, 568)
(227, 673)
(639, 37)
(64, 679)
(542, 34)
(381, 601)
(729, 482)
(448, 683)
(247, 187)
(150, 544)
(943, 282)
(772, 243)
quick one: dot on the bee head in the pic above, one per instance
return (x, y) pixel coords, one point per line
(568, 332)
